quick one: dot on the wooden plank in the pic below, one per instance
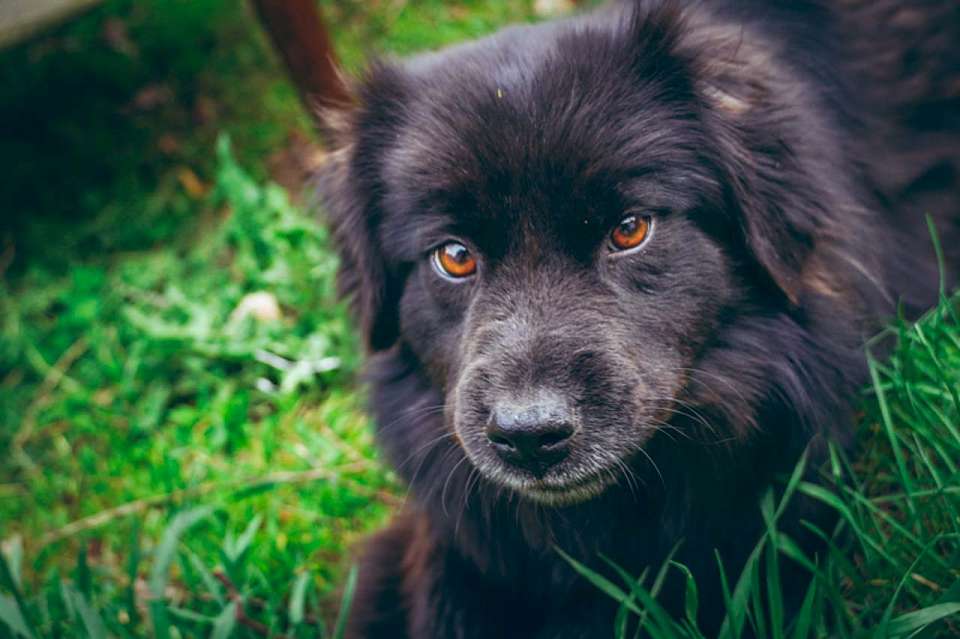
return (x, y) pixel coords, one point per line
(20, 19)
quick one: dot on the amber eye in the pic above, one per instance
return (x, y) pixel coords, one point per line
(453, 259)
(630, 232)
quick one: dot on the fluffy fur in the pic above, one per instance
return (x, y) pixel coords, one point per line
(785, 152)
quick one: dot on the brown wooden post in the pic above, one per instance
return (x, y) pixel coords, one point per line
(298, 32)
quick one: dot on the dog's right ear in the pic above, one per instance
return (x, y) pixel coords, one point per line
(351, 193)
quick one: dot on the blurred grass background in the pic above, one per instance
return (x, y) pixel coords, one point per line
(181, 433)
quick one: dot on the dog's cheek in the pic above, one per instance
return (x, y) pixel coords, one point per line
(467, 404)
(678, 290)
(672, 300)
(431, 325)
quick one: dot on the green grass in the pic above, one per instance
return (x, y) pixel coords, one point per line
(166, 463)
(150, 393)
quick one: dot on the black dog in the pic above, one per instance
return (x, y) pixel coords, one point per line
(615, 274)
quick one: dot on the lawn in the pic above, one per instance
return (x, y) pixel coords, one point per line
(183, 450)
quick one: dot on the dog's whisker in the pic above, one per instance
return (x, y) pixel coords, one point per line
(693, 414)
(654, 464)
(629, 477)
(422, 449)
(694, 372)
(470, 483)
(405, 418)
(440, 462)
(446, 484)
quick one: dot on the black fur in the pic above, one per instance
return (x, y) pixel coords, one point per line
(786, 152)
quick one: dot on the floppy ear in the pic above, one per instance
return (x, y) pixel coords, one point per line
(774, 156)
(350, 188)
(776, 200)
(782, 167)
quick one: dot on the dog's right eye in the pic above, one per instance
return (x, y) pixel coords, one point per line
(631, 232)
(454, 260)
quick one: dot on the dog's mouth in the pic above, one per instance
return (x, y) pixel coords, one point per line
(557, 488)
(550, 494)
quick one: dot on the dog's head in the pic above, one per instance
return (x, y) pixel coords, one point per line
(556, 222)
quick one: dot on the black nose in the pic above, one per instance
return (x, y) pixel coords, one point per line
(534, 435)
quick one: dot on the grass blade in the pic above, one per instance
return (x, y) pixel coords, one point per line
(803, 624)
(691, 598)
(605, 586)
(133, 571)
(905, 479)
(89, 617)
(9, 580)
(915, 621)
(298, 597)
(10, 615)
(234, 549)
(345, 603)
(12, 549)
(209, 581)
(226, 622)
(168, 546)
(162, 562)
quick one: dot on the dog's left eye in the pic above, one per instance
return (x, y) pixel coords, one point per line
(630, 232)
(454, 260)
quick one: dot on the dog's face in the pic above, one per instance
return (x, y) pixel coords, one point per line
(559, 289)
(546, 221)
(562, 321)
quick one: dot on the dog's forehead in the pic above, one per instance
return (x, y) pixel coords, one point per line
(494, 155)
(495, 186)
(497, 140)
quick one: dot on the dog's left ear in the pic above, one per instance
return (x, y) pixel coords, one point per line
(779, 161)
(350, 189)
